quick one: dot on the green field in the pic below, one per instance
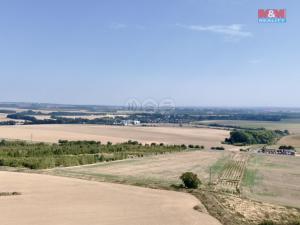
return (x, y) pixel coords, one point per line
(293, 125)
(274, 179)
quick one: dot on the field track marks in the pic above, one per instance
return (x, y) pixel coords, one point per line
(232, 174)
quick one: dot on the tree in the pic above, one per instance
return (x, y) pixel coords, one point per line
(190, 180)
(287, 147)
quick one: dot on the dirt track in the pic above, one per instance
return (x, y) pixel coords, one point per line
(49, 200)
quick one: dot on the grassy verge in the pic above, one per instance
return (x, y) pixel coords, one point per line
(250, 178)
(219, 165)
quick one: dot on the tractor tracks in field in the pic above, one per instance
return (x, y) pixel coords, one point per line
(231, 176)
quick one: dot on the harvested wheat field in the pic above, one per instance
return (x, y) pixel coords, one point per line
(170, 135)
(293, 140)
(52, 200)
(163, 170)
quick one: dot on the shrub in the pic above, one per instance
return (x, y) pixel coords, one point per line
(217, 148)
(287, 147)
(62, 142)
(267, 222)
(190, 180)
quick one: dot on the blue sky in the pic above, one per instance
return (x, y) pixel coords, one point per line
(196, 52)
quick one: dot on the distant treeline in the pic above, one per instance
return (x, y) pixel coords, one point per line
(186, 118)
(7, 111)
(249, 137)
(64, 120)
(231, 126)
(9, 122)
(56, 113)
(73, 153)
(60, 107)
(286, 132)
(146, 117)
(73, 114)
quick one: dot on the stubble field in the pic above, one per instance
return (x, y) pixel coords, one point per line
(293, 140)
(163, 170)
(116, 134)
(52, 200)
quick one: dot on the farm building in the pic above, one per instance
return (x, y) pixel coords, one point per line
(291, 152)
(130, 122)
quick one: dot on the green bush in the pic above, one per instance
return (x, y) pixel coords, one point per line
(183, 146)
(217, 148)
(267, 222)
(287, 147)
(190, 180)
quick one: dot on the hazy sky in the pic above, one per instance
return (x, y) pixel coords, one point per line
(196, 52)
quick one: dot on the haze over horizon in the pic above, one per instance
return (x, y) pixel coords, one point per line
(197, 53)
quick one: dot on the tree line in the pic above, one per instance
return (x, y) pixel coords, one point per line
(249, 137)
(73, 153)
(144, 117)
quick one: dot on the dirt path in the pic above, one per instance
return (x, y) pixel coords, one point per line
(52, 200)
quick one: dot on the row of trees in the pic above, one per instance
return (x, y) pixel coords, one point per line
(72, 153)
(289, 147)
(31, 119)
